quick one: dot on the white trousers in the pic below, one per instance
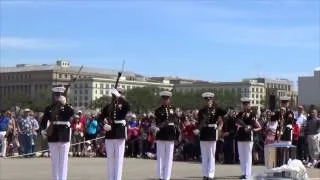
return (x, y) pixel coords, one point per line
(59, 159)
(115, 155)
(208, 153)
(3, 143)
(245, 157)
(164, 159)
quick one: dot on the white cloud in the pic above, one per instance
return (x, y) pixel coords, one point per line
(33, 43)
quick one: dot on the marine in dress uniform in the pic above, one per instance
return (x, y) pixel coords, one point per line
(116, 133)
(246, 123)
(166, 133)
(210, 120)
(285, 119)
(58, 132)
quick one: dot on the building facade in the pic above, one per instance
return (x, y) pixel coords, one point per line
(86, 90)
(275, 88)
(32, 80)
(309, 89)
(250, 88)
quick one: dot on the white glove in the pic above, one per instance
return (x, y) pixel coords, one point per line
(215, 126)
(62, 100)
(107, 127)
(155, 129)
(43, 132)
(196, 131)
(115, 92)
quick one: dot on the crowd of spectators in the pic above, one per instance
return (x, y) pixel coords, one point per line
(19, 135)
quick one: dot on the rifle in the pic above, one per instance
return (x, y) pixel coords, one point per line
(110, 107)
(72, 80)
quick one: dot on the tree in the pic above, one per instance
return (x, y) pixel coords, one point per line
(142, 99)
(100, 103)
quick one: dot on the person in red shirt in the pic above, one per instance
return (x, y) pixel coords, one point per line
(189, 139)
(295, 133)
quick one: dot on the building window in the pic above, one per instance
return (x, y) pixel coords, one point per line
(66, 76)
(75, 104)
(257, 89)
(257, 101)
(80, 85)
(75, 98)
(86, 98)
(252, 89)
(85, 91)
(60, 75)
(101, 85)
(96, 85)
(75, 91)
(257, 95)
(86, 85)
(260, 96)
(252, 102)
(96, 92)
(252, 95)
(80, 91)
(80, 103)
(85, 104)
(101, 91)
(76, 85)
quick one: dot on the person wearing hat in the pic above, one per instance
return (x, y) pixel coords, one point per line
(210, 120)
(58, 114)
(285, 119)
(166, 134)
(246, 123)
(113, 119)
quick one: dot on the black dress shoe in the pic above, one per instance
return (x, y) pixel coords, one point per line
(243, 177)
(205, 178)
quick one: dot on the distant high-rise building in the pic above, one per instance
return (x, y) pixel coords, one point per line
(309, 89)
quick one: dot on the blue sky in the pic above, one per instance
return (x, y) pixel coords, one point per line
(209, 40)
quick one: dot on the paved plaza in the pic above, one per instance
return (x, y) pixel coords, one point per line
(134, 169)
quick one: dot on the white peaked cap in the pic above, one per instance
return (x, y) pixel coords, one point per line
(120, 89)
(285, 98)
(133, 116)
(165, 93)
(27, 110)
(59, 89)
(208, 95)
(245, 99)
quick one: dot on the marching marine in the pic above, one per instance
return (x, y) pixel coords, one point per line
(210, 120)
(166, 134)
(58, 132)
(246, 123)
(116, 132)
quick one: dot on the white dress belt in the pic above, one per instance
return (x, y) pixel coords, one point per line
(120, 122)
(67, 123)
(212, 125)
(171, 124)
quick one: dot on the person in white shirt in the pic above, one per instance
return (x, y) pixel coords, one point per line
(302, 150)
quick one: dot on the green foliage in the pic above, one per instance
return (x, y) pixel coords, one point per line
(142, 99)
(37, 103)
(100, 103)
(147, 99)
